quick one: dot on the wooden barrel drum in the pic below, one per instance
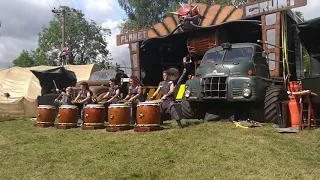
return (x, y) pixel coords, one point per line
(46, 114)
(119, 115)
(94, 115)
(148, 113)
(68, 115)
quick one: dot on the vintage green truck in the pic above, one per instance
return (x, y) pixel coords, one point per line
(233, 77)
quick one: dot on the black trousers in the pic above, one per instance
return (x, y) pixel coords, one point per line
(167, 107)
(133, 112)
(106, 107)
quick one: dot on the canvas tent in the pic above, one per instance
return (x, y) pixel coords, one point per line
(24, 88)
(59, 77)
(308, 32)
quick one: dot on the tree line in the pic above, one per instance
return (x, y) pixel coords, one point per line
(84, 39)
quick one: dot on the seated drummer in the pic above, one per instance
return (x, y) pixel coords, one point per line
(113, 95)
(134, 96)
(166, 107)
(66, 97)
(85, 98)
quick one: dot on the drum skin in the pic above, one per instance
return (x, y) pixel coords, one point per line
(46, 114)
(68, 114)
(119, 114)
(94, 114)
(148, 114)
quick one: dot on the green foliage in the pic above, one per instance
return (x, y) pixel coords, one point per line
(84, 39)
(25, 59)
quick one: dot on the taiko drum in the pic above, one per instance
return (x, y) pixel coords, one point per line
(68, 115)
(148, 114)
(119, 114)
(46, 114)
(94, 114)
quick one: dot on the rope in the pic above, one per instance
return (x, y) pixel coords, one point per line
(285, 51)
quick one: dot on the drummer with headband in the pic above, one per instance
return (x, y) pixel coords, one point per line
(134, 96)
(85, 96)
(166, 107)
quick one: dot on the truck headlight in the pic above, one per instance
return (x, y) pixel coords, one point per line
(246, 91)
(187, 93)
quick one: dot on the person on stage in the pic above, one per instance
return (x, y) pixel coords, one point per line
(167, 107)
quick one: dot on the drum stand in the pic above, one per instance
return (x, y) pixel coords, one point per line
(66, 125)
(147, 128)
(92, 126)
(43, 125)
(116, 128)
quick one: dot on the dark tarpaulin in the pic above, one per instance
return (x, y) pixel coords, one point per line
(60, 75)
(309, 36)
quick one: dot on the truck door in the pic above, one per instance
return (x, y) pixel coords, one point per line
(260, 64)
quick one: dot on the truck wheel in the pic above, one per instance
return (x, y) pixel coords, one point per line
(187, 109)
(273, 95)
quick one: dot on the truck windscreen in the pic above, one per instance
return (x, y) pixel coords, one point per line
(102, 76)
(233, 55)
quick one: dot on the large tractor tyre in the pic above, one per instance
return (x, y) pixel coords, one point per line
(188, 111)
(273, 95)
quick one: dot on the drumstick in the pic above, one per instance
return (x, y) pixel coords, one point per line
(55, 84)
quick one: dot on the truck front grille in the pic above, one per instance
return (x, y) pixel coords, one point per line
(237, 92)
(214, 87)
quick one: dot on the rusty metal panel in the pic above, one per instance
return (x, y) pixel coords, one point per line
(263, 7)
(134, 49)
(161, 29)
(210, 15)
(132, 36)
(224, 13)
(274, 53)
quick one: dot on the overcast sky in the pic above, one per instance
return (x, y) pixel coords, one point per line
(22, 20)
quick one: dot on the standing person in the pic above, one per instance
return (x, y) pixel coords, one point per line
(134, 96)
(167, 107)
(113, 95)
(85, 98)
(186, 68)
(66, 96)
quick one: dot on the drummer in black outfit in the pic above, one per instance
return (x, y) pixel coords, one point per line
(113, 95)
(166, 107)
(85, 98)
(134, 96)
(66, 97)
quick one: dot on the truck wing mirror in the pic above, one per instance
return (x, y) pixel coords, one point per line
(264, 54)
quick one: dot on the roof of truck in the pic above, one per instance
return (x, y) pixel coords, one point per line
(236, 45)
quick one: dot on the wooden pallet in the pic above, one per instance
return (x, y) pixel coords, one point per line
(118, 128)
(66, 126)
(43, 125)
(147, 128)
(88, 127)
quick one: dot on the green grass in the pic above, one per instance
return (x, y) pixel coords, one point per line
(199, 151)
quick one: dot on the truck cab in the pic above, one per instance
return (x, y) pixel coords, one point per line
(237, 73)
(231, 72)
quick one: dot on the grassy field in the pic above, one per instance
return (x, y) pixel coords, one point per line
(199, 151)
